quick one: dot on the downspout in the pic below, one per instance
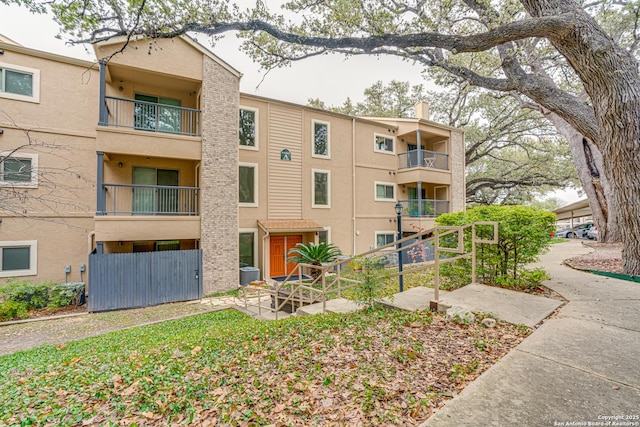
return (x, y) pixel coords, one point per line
(90, 238)
(353, 182)
(264, 252)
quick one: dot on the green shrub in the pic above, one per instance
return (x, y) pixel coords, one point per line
(314, 254)
(11, 310)
(34, 296)
(66, 294)
(523, 233)
(374, 282)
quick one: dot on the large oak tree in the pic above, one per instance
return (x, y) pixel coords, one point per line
(598, 105)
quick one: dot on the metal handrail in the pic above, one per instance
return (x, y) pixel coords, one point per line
(330, 284)
(423, 159)
(141, 199)
(424, 208)
(151, 116)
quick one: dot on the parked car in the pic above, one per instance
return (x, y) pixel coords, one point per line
(593, 233)
(577, 231)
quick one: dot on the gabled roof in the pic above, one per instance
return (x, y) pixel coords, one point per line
(190, 41)
(7, 40)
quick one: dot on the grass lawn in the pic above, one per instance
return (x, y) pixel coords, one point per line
(224, 368)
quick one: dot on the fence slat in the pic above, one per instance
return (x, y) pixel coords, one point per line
(132, 280)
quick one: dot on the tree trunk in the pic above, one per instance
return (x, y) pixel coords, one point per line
(610, 77)
(588, 163)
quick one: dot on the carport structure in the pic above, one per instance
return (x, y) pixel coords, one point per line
(573, 210)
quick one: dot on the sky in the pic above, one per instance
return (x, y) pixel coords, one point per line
(331, 78)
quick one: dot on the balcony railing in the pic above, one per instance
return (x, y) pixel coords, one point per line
(150, 116)
(133, 199)
(424, 208)
(423, 158)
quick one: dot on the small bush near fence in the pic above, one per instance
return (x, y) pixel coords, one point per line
(17, 298)
(10, 310)
(523, 234)
(374, 283)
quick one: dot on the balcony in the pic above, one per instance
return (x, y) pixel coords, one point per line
(134, 199)
(423, 158)
(424, 208)
(150, 116)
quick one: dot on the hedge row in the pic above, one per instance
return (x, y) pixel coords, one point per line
(20, 297)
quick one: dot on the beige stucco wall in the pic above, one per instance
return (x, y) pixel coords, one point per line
(60, 131)
(146, 228)
(219, 178)
(61, 241)
(126, 141)
(114, 173)
(68, 96)
(170, 56)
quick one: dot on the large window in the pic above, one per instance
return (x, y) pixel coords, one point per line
(157, 114)
(18, 169)
(321, 189)
(385, 191)
(248, 245)
(18, 258)
(384, 238)
(320, 139)
(248, 188)
(383, 144)
(247, 130)
(151, 194)
(19, 83)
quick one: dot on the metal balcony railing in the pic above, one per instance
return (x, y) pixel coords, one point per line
(150, 116)
(133, 199)
(424, 208)
(423, 158)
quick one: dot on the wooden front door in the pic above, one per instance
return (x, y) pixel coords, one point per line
(279, 247)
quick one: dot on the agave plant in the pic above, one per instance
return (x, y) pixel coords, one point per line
(313, 254)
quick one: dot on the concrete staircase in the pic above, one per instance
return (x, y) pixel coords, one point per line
(510, 306)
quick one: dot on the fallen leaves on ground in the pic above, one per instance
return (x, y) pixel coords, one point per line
(605, 257)
(367, 368)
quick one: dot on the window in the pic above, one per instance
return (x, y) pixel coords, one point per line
(384, 144)
(148, 199)
(384, 238)
(321, 189)
(323, 236)
(320, 139)
(248, 247)
(157, 114)
(18, 258)
(248, 180)
(18, 169)
(385, 191)
(168, 245)
(247, 130)
(19, 83)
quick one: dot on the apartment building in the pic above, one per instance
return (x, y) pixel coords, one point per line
(154, 148)
(308, 175)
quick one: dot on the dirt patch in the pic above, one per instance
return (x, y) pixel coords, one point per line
(24, 336)
(60, 311)
(605, 257)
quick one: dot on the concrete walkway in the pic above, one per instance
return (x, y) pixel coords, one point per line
(579, 368)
